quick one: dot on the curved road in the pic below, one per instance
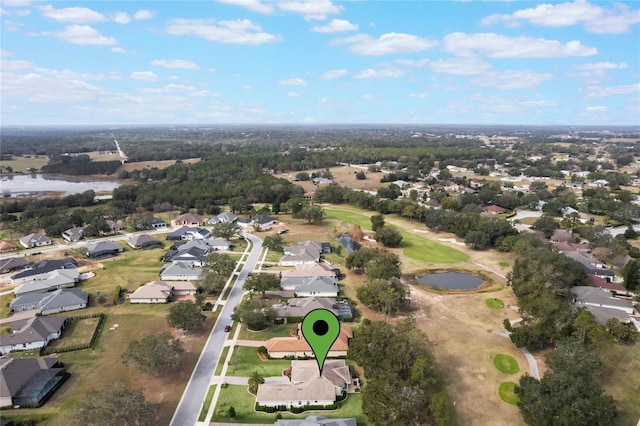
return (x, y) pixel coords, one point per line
(188, 409)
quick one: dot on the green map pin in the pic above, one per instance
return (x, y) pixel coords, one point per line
(320, 328)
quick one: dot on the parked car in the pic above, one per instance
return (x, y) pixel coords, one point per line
(227, 328)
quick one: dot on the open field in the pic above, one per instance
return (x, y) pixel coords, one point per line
(621, 379)
(104, 156)
(343, 176)
(21, 164)
(141, 165)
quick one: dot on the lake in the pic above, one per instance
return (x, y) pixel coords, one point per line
(28, 185)
(451, 281)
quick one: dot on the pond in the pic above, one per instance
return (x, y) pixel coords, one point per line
(349, 244)
(28, 185)
(451, 281)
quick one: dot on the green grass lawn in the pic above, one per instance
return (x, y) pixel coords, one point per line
(507, 393)
(207, 403)
(413, 246)
(21, 164)
(274, 330)
(243, 402)
(503, 263)
(223, 358)
(620, 378)
(506, 363)
(77, 332)
(245, 361)
(494, 303)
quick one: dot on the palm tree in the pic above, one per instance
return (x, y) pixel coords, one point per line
(254, 380)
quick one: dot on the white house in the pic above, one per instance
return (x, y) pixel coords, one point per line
(180, 272)
(53, 302)
(32, 333)
(35, 240)
(161, 291)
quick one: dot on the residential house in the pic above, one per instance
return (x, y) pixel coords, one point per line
(307, 386)
(157, 223)
(297, 347)
(493, 209)
(322, 180)
(143, 241)
(102, 249)
(53, 302)
(162, 291)
(604, 306)
(562, 235)
(303, 253)
(222, 218)
(188, 219)
(32, 333)
(193, 256)
(316, 421)
(35, 240)
(188, 233)
(7, 246)
(54, 280)
(180, 272)
(73, 235)
(300, 307)
(263, 222)
(12, 264)
(317, 287)
(40, 270)
(591, 264)
(207, 244)
(311, 270)
(292, 283)
(29, 382)
(114, 227)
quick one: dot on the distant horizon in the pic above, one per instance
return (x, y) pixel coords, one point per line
(307, 62)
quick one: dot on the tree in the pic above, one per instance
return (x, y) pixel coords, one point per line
(312, 213)
(275, 242)
(441, 408)
(546, 224)
(622, 332)
(221, 263)
(255, 379)
(154, 354)
(225, 230)
(262, 283)
(118, 404)
(186, 316)
(382, 295)
(631, 275)
(478, 240)
(303, 176)
(361, 175)
(211, 282)
(231, 412)
(584, 323)
(389, 236)
(255, 314)
(377, 222)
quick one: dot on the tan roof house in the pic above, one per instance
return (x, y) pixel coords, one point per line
(161, 291)
(307, 387)
(310, 270)
(187, 219)
(297, 347)
(6, 246)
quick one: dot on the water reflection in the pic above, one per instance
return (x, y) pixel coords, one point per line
(26, 185)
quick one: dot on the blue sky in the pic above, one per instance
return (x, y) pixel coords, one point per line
(318, 61)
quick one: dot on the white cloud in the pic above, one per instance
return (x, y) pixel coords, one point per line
(175, 64)
(331, 74)
(240, 31)
(511, 79)
(598, 108)
(390, 43)
(117, 50)
(460, 66)
(294, 81)
(500, 46)
(600, 92)
(22, 12)
(417, 95)
(601, 66)
(144, 15)
(143, 75)
(411, 63)
(14, 65)
(595, 18)
(5, 52)
(335, 26)
(246, 87)
(371, 73)
(367, 97)
(311, 9)
(539, 104)
(16, 3)
(122, 18)
(72, 15)
(294, 94)
(254, 5)
(82, 35)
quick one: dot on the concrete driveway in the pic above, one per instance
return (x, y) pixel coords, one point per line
(17, 316)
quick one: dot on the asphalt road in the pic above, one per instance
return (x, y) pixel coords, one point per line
(188, 409)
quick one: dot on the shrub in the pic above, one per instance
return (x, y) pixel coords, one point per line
(116, 295)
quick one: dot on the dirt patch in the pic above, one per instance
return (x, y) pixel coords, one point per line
(459, 326)
(141, 165)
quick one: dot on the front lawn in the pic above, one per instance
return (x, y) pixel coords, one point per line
(245, 361)
(78, 332)
(274, 330)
